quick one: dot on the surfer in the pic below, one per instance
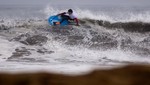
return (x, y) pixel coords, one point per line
(69, 16)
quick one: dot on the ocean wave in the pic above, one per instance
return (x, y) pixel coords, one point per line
(127, 26)
(89, 45)
(31, 42)
(115, 15)
(128, 20)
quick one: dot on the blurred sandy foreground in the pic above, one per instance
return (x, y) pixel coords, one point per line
(128, 75)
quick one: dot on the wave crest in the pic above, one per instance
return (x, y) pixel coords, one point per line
(113, 16)
(127, 26)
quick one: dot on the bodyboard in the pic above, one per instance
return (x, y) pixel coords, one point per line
(57, 20)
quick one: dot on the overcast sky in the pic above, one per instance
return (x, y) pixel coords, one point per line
(77, 2)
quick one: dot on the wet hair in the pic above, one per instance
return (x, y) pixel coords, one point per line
(70, 10)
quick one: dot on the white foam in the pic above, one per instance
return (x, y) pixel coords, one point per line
(65, 59)
(82, 56)
(6, 48)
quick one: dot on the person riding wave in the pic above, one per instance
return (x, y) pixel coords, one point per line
(69, 16)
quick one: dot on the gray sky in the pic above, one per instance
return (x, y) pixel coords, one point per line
(77, 2)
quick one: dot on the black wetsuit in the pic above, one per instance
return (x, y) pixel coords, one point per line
(65, 17)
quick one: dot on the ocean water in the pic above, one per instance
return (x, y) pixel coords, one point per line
(108, 36)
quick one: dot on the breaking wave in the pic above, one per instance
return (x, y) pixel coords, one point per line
(112, 16)
(116, 19)
(126, 26)
(100, 39)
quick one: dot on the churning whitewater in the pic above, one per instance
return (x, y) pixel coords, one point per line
(102, 39)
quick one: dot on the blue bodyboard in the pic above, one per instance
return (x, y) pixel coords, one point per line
(57, 19)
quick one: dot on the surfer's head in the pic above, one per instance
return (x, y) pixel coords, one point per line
(70, 11)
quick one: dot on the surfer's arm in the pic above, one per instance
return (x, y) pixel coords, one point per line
(62, 13)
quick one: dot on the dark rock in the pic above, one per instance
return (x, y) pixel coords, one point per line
(35, 40)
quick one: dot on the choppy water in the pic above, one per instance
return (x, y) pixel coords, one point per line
(108, 36)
